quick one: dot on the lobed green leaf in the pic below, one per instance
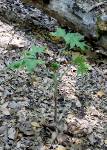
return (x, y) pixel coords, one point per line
(59, 32)
(72, 39)
(82, 65)
(29, 60)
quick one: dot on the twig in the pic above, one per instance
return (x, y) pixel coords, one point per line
(55, 96)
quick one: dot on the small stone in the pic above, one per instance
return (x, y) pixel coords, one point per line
(22, 114)
(91, 138)
(78, 104)
(2, 129)
(105, 72)
(7, 147)
(26, 128)
(5, 111)
(103, 42)
(13, 105)
(12, 133)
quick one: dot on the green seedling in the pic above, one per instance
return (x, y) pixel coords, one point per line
(30, 60)
(75, 40)
(71, 39)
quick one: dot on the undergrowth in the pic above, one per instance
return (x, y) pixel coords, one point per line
(29, 60)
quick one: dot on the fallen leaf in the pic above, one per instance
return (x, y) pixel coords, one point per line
(35, 125)
(69, 117)
(76, 54)
(105, 141)
(100, 93)
(5, 111)
(76, 141)
(5, 105)
(55, 39)
(60, 147)
(50, 53)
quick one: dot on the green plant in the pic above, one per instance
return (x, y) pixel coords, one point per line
(29, 59)
(54, 67)
(82, 65)
(71, 39)
(75, 40)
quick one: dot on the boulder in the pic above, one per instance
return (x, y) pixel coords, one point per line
(87, 17)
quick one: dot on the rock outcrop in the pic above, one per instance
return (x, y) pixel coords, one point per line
(82, 16)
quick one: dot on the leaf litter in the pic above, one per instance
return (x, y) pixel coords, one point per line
(26, 105)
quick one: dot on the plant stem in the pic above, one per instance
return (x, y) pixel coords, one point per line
(68, 67)
(55, 96)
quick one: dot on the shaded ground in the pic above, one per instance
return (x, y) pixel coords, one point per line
(26, 102)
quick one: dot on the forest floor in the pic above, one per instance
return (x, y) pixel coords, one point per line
(26, 101)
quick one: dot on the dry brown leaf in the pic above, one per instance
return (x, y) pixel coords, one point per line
(100, 93)
(75, 54)
(55, 39)
(69, 117)
(76, 141)
(50, 53)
